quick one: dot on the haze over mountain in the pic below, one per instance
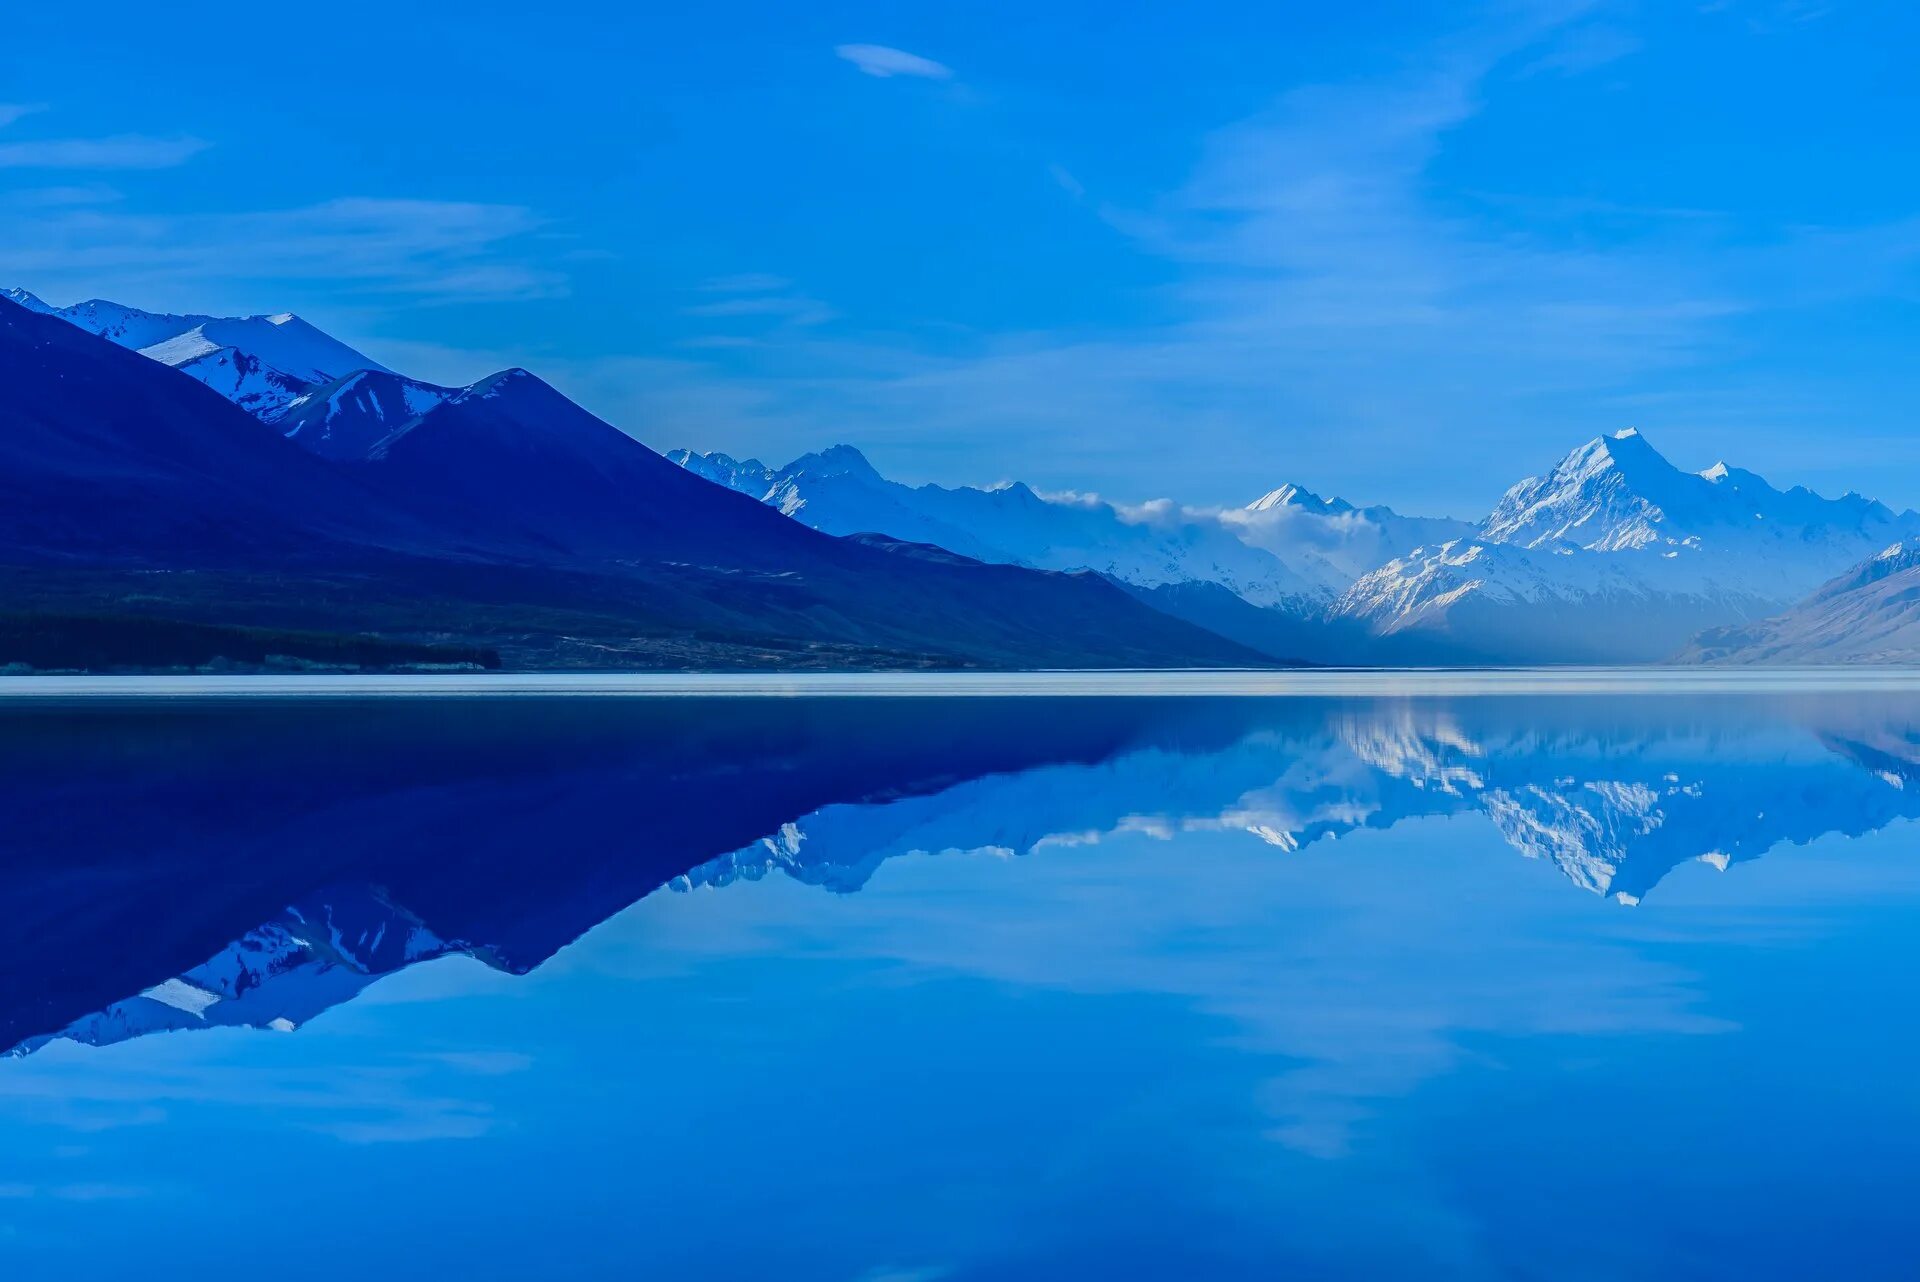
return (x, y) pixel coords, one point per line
(1870, 614)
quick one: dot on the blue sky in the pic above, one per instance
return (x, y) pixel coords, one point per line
(1194, 251)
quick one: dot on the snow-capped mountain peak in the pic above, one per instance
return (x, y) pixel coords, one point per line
(1618, 554)
(1291, 495)
(835, 460)
(1611, 493)
(261, 363)
(749, 476)
(14, 294)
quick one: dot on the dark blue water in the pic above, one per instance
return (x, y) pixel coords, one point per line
(886, 990)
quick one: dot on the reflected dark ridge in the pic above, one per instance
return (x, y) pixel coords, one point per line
(199, 866)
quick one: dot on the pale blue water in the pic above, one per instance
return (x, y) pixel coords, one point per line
(1555, 986)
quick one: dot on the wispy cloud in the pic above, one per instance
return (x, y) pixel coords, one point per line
(69, 194)
(879, 60)
(422, 250)
(754, 294)
(124, 151)
(744, 283)
(12, 111)
(1584, 49)
(795, 308)
(75, 1192)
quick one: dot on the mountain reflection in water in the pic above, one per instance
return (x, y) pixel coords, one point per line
(192, 866)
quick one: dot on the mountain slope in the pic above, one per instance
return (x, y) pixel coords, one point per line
(105, 454)
(282, 341)
(505, 512)
(1870, 614)
(346, 418)
(1471, 601)
(14, 294)
(557, 478)
(241, 378)
(260, 363)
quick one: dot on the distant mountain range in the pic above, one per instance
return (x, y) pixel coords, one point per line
(1614, 555)
(562, 540)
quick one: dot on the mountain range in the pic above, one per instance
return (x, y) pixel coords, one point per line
(1614, 555)
(502, 514)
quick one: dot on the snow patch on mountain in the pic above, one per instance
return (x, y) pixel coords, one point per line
(282, 341)
(347, 418)
(244, 379)
(312, 957)
(14, 294)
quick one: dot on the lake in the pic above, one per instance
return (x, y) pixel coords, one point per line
(1568, 976)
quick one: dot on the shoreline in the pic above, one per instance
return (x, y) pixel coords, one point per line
(1302, 683)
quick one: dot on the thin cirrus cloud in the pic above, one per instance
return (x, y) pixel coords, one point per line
(794, 309)
(757, 294)
(12, 111)
(885, 62)
(125, 151)
(420, 250)
(745, 283)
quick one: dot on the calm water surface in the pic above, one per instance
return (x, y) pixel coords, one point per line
(1559, 986)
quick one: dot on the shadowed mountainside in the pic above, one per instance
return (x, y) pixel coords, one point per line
(506, 517)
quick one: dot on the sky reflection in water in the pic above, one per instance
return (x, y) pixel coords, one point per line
(914, 989)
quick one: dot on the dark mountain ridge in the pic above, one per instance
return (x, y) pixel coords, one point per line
(505, 510)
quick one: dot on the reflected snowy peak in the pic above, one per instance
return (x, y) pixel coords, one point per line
(1613, 816)
(194, 874)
